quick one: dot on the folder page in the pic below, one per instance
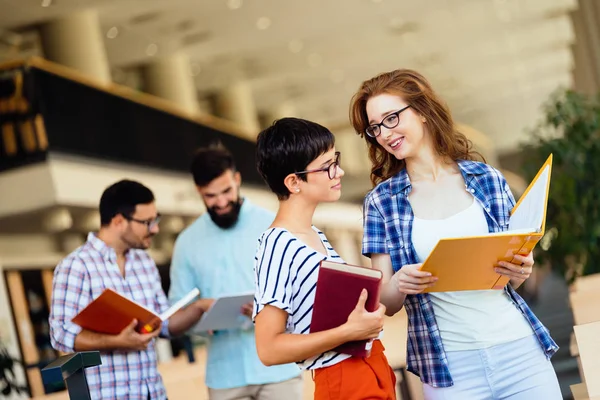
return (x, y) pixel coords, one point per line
(530, 211)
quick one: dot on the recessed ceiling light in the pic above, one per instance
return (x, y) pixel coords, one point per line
(234, 4)
(337, 76)
(314, 60)
(46, 3)
(195, 69)
(396, 22)
(504, 15)
(296, 46)
(152, 49)
(263, 23)
(112, 32)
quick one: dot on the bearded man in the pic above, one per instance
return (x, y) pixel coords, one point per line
(216, 255)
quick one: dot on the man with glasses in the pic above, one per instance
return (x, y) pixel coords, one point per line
(216, 254)
(115, 258)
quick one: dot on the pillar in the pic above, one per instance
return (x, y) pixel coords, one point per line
(236, 104)
(171, 78)
(283, 110)
(586, 50)
(76, 41)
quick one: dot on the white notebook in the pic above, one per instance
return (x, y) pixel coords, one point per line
(225, 313)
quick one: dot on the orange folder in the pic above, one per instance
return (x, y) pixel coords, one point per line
(467, 263)
(111, 312)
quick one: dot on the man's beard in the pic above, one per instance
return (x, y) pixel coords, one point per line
(137, 243)
(229, 219)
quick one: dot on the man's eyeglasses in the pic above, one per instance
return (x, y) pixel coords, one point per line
(150, 223)
(390, 121)
(332, 169)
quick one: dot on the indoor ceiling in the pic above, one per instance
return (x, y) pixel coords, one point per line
(494, 61)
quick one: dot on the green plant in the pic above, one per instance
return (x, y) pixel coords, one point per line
(569, 131)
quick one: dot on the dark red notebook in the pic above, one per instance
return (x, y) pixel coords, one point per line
(338, 289)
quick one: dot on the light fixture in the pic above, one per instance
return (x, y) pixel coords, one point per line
(296, 46)
(504, 15)
(46, 3)
(152, 49)
(263, 23)
(396, 23)
(314, 60)
(337, 76)
(195, 69)
(112, 32)
(234, 4)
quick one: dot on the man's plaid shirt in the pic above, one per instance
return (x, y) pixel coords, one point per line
(388, 219)
(80, 278)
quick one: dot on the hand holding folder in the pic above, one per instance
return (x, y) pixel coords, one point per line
(112, 312)
(467, 263)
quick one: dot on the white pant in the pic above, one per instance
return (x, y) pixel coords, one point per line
(517, 370)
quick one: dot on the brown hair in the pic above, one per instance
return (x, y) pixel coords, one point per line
(416, 91)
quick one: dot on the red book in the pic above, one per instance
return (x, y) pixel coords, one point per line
(111, 312)
(338, 289)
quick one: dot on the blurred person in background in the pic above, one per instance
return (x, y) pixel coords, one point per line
(115, 258)
(484, 344)
(216, 254)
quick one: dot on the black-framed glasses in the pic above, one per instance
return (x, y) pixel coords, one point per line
(332, 169)
(150, 223)
(390, 121)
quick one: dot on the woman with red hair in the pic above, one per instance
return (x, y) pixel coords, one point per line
(429, 185)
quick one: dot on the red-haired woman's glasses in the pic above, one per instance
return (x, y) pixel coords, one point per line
(390, 121)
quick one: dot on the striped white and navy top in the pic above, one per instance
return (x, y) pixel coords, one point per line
(286, 272)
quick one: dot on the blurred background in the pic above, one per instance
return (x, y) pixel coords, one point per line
(94, 91)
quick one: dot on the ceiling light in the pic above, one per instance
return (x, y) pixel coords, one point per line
(46, 3)
(263, 23)
(350, 88)
(152, 49)
(504, 16)
(314, 60)
(112, 32)
(234, 4)
(337, 76)
(396, 23)
(296, 46)
(195, 69)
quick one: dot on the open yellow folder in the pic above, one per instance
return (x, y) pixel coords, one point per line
(467, 263)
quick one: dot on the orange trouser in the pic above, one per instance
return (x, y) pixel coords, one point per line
(357, 378)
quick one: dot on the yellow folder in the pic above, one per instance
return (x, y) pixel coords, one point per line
(467, 263)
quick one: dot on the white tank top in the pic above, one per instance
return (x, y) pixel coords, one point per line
(473, 319)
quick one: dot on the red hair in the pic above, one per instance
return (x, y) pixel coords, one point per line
(416, 91)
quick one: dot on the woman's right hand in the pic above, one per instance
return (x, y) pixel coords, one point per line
(411, 280)
(362, 324)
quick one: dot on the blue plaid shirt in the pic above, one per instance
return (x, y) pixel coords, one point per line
(388, 219)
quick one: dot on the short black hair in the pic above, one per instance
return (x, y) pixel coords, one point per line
(210, 163)
(122, 198)
(288, 146)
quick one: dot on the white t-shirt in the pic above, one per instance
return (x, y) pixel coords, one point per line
(473, 319)
(286, 271)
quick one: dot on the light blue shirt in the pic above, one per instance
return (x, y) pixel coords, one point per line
(220, 262)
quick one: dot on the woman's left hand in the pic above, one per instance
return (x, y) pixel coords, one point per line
(520, 270)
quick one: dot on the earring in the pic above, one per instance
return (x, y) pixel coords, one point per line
(297, 190)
